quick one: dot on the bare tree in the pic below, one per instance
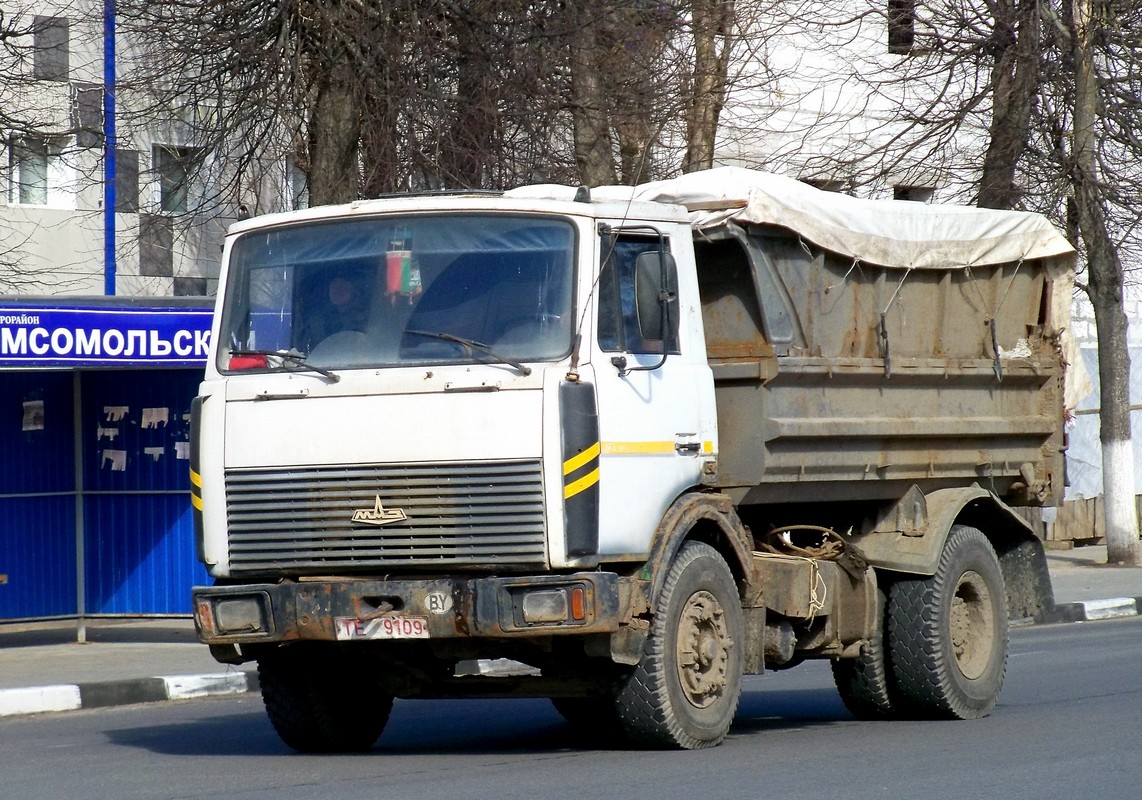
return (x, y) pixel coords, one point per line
(594, 145)
(714, 26)
(436, 93)
(1013, 88)
(367, 97)
(1094, 124)
(329, 39)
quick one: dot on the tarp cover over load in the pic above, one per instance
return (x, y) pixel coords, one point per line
(859, 342)
(889, 233)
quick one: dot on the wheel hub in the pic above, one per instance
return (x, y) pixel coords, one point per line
(971, 625)
(703, 649)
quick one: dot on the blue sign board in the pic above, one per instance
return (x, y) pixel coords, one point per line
(85, 336)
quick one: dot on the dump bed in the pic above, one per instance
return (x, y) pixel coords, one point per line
(860, 347)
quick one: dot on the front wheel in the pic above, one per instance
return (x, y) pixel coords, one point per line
(321, 699)
(947, 633)
(684, 692)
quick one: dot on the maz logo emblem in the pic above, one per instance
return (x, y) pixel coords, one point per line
(378, 515)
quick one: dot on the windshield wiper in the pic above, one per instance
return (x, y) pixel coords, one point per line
(291, 361)
(472, 344)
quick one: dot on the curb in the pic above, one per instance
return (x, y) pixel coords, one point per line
(76, 697)
(104, 694)
(1090, 610)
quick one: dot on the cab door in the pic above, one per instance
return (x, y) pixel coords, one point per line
(655, 391)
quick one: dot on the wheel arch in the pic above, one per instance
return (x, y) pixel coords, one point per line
(891, 548)
(705, 517)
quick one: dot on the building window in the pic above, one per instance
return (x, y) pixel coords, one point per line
(28, 161)
(127, 181)
(189, 287)
(298, 187)
(173, 167)
(156, 246)
(87, 115)
(50, 46)
(828, 185)
(916, 194)
(901, 26)
(37, 173)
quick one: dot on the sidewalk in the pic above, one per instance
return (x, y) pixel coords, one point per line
(1087, 588)
(43, 668)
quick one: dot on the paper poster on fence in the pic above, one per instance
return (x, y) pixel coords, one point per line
(34, 415)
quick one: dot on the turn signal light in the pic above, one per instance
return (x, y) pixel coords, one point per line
(578, 605)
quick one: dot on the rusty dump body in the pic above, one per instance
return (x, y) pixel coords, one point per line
(883, 371)
(839, 380)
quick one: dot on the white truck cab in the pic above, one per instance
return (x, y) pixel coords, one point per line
(426, 341)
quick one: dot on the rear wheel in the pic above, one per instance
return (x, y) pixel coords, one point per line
(684, 692)
(866, 683)
(322, 699)
(947, 634)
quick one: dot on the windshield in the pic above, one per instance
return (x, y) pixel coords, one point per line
(388, 291)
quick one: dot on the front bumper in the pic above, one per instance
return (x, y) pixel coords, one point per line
(442, 608)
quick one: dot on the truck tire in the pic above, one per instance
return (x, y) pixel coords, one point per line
(321, 700)
(947, 633)
(594, 717)
(684, 691)
(866, 683)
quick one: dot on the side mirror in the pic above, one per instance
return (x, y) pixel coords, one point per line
(655, 292)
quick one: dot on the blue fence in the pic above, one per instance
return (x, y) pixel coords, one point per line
(109, 446)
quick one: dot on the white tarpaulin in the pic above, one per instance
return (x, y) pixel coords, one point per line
(890, 233)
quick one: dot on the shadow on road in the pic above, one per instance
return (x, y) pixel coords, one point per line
(460, 727)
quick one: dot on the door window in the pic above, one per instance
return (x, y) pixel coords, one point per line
(624, 291)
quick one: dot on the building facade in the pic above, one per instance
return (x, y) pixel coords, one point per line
(96, 198)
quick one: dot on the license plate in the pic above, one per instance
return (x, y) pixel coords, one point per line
(392, 627)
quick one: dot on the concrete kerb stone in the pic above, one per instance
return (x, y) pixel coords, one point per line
(39, 699)
(102, 694)
(1091, 610)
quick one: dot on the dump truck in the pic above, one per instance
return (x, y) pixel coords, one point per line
(619, 447)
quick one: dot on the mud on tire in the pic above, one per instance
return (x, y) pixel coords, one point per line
(947, 634)
(685, 690)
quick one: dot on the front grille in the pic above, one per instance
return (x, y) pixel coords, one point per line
(298, 521)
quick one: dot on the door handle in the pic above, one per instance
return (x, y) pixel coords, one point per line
(687, 448)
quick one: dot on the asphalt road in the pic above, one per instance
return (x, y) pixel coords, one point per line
(1067, 726)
